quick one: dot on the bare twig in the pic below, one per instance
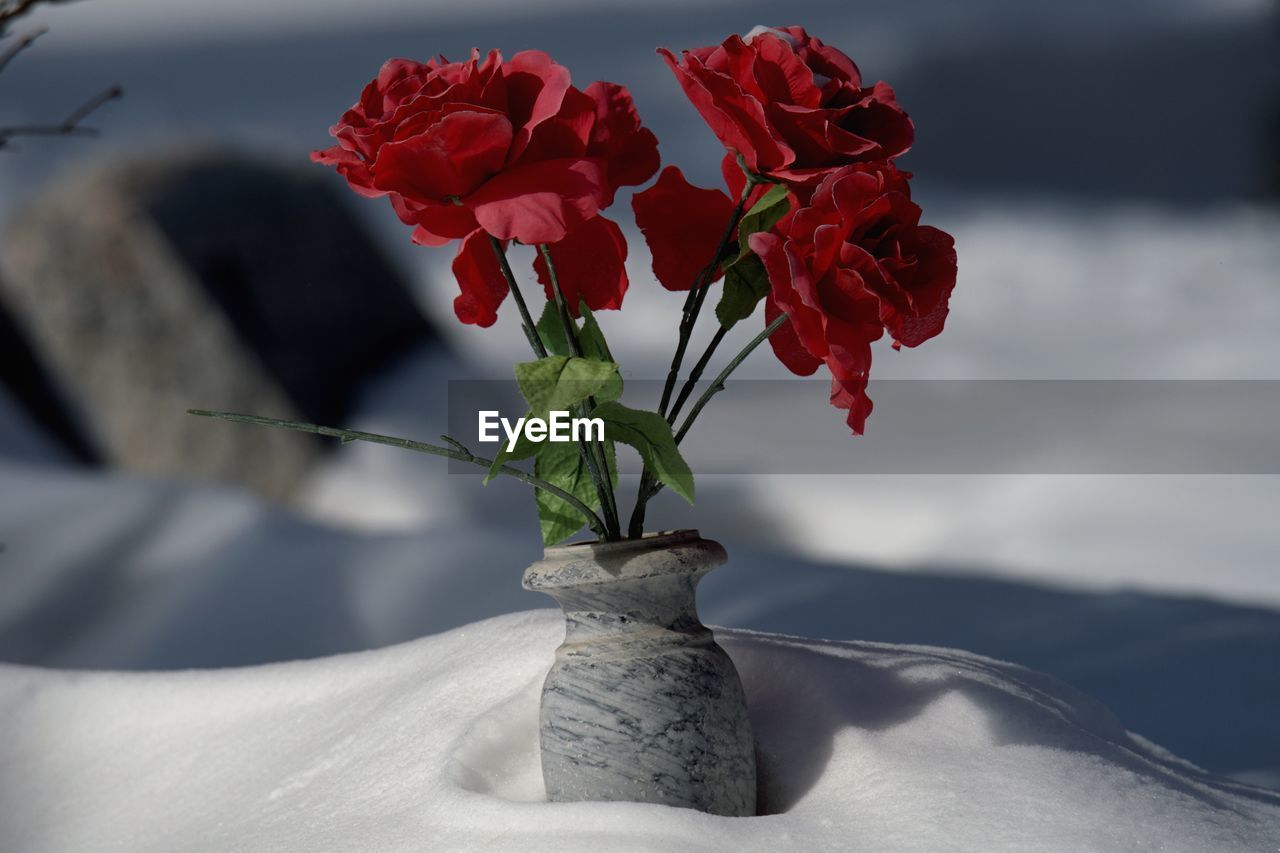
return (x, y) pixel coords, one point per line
(23, 42)
(10, 9)
(70, 126)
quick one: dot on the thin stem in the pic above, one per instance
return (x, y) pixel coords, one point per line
(456, 451)
(592, 452)
(636, 526)
(696, 373)
(688, 317)
(718, 384)
(715, 388)
(697, 295)
(530, 330)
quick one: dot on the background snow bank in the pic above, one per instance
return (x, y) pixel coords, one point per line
(433, 745)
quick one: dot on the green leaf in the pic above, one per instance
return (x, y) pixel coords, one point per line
(762, 216)
(523, 450)
(745, 284)
(650, 434)
(561, 464)
(591, 338)
(551, 330)
(593, 344)
(557, 382)
(745, 280)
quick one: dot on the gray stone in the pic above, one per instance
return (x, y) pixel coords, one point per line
(172, 280)
(641, 704)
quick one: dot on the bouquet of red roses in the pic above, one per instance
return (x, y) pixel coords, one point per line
(815, 221)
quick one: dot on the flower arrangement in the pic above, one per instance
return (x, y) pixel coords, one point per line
(815, 221)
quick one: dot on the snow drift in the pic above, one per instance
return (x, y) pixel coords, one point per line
(432, 745)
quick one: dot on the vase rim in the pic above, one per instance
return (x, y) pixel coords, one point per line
(655, 539)
(585, 564)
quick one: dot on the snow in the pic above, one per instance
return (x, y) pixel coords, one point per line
(433, 745)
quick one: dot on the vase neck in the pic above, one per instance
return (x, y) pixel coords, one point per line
(637, 606)
(632, 587)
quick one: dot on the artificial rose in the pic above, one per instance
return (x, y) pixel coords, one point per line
(682, 225)
(508, 149)
(794, 108)
(852, 263)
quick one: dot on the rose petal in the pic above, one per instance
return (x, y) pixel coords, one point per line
(480, 279)
(630, 149)
(540, 202)
(590, 265)
(535, 86)
(782, 74)
(564, 134)
(351, 167)
(786, 343)
(450, 158)
(436, 222)
(786, 272)
(736, 118)
(683, 225)
(918, 284)
(878, 117)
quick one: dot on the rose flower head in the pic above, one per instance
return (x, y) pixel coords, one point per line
(792, 107)
(507, 149)
(854, 262)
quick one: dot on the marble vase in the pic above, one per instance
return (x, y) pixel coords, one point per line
(641, 704)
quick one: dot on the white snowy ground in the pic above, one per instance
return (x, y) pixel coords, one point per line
(432, 745)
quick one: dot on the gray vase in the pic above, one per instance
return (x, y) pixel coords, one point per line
(641, 704)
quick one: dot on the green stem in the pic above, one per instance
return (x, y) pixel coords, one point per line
(688, 317)
(698, 294)
(457, 451)
(530, 330)
(718, 384)
(715, 388)
(696, 373)
(592, 452)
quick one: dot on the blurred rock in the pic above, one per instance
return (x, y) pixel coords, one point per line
(153, 284)
(26, 381)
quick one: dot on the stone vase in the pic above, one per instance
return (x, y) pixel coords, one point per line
(641, 704)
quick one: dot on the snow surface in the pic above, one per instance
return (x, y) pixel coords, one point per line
(432, 745)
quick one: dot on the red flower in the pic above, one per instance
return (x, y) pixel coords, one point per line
(855, 262)
(794, 108)
(505, 148)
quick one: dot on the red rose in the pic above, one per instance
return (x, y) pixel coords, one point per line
(793, 107)
(855, 262)
(502, 148)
